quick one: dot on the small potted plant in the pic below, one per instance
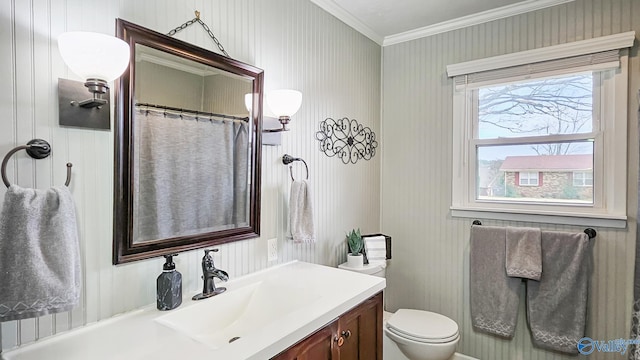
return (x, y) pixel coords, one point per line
(355, 242)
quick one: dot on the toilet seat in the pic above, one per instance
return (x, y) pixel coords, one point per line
(422, 326)
(420, 340)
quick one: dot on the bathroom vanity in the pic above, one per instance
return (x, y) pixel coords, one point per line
(279, 313)
(356, 334)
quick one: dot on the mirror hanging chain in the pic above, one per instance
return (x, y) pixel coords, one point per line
(204, 26)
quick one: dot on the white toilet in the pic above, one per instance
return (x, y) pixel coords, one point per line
(418, 334)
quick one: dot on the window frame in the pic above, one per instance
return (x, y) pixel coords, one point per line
(609, 135)
(529, 178)
(583, 178)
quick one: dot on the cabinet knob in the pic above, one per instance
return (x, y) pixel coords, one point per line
(346, 333)
(339, 340)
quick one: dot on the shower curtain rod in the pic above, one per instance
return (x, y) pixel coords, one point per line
(196, 113)
(592, 233)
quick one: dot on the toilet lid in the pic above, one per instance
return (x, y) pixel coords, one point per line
(424, 326)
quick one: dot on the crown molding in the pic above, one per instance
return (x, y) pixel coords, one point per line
(474, 19)
(346, 17)
(470, 20)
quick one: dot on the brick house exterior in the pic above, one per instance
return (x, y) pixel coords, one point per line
(549, 176)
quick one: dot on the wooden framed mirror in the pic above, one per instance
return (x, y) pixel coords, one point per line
(187, 149)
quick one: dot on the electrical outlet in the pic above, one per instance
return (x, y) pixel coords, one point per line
(272, 249)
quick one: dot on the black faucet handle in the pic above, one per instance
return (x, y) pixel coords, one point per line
(207, 251)
(207, 260)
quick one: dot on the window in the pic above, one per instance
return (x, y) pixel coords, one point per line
(543, 141)
(582, 178)
(528, 179)
(532, 127)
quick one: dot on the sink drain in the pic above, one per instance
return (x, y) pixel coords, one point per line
(234, 339)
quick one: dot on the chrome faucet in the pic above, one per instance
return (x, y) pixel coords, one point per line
(209, 272)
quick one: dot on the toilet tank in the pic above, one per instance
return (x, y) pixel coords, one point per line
(376, 269)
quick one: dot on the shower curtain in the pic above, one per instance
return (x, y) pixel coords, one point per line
(634, 349)
(191, 175)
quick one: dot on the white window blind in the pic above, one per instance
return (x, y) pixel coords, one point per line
(590, 62)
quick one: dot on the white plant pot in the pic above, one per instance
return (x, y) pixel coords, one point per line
(354, 261)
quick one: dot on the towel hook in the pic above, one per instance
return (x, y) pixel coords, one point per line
(37, 149)
(288, 159)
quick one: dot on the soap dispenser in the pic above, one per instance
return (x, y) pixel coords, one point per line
(169, 285)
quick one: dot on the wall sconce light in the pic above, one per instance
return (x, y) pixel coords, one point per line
(284, 104)
(99, 59)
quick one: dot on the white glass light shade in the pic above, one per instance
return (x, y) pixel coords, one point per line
(94, 55)
(284, 103)
(248, 103)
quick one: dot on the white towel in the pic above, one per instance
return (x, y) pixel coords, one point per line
(39, 253)
(375, 247)
(301, 212)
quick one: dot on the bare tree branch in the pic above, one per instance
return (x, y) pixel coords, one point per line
(549, 106)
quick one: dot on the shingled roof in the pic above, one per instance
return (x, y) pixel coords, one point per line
(549, 163)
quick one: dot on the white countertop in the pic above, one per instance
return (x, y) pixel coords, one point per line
(135, 335)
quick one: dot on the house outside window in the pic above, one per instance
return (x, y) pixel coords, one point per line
(542, 134)
(556, 178)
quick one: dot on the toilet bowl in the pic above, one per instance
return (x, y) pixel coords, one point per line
(423, 335)
(417, 334)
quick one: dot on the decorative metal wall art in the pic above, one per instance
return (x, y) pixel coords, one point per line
(346, 139)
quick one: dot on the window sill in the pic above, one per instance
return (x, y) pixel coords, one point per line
(549, 217)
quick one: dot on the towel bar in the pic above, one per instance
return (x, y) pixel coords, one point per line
(592, 233)
(37, 149)
(288, 159)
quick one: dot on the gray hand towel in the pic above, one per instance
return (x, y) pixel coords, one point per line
(557, 304)
(39, 253)
(301, 212)
(494, 295)
(524, 255)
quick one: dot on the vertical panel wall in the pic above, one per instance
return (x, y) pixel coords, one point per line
(297, 44)
(431, 249)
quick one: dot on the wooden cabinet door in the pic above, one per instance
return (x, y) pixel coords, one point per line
(355, 335)
(321, 345)
(361, 329)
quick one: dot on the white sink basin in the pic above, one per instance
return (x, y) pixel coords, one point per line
(234, 314)
(269, 310)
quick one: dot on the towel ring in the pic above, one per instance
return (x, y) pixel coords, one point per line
(288, 159)
(37, 149)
